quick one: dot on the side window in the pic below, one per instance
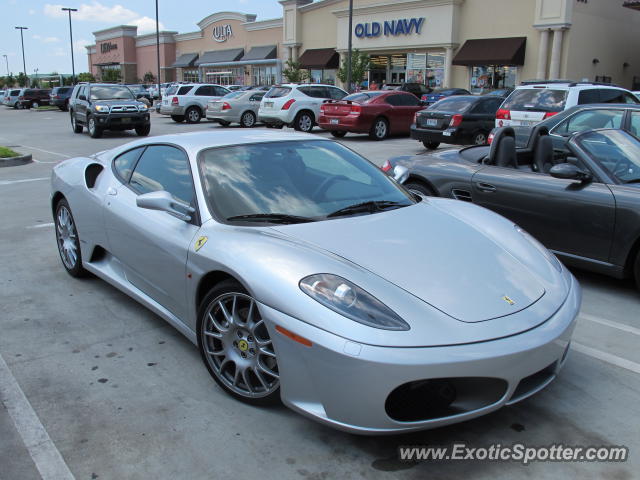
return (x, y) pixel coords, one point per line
(124, 164)
(256, 97)
(630, 98)
(205, 91)
(410, 100)
(162, 167)
(394, 100)
(219, 91)
(336, 93)
(481, 107)
(589, 96)
(590, 120)
(183, 90)
(635, 124)
(611, 95)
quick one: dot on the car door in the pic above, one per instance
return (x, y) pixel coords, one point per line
(634, 123)
(565, 215)
(203, 94)
(403, 107)
(81, 104)
(151, 245)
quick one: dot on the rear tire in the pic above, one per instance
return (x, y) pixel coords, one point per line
(338, 133)
(248, 119)
(304, 122)
(431, 145)
(143, 130)
(479, 138)
(177, 118)
(68, 241)
(224, 123)
(193, 115)
(420, 188)
(636, 271)
(94, 130)
(379, 130)
(35, 105)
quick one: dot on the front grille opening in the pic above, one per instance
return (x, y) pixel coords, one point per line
(531, 384)
(443, 397)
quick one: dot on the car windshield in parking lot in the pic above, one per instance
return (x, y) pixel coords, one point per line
(615, 151)
(293, 181)
(452, 104)
(111, 92)
(537, 99)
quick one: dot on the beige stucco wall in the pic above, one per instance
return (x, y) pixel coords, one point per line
(147, 58)
(605, 30)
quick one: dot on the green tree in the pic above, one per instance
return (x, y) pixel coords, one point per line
(22, 79)
(149, 78)
(111, 76)
(67, 81)
(360, 62)
(10, 80)
(85, 77)
(294, 72)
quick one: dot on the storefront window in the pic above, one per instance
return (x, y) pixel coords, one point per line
(190, 75)
(327, 76)
(426, 68)
(110, 73)
(264, 75)
(224, 76)
(492, 77)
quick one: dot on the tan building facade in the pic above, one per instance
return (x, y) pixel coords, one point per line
(473, 44)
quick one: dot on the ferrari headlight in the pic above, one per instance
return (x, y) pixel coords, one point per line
(553, 260)
(102, 108)
(351, 301)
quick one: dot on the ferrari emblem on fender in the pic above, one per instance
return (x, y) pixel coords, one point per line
(200, 243)
(508, 300)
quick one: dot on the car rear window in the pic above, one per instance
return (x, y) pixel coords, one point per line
(536, 99)
(277, 92)
(184, 90)
(452, 105)
(363, 97)
(235, 94)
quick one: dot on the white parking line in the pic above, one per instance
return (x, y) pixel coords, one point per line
(43, 451)
(609, 323)
(606, 357)
(24, 180)
(42, 225)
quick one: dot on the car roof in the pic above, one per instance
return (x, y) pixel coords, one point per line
(194, 142)
(568, 86)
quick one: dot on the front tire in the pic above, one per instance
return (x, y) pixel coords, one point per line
(143, 130)
(193, 115)
(177, 118)
(431, 145)
(94, 130)
(248, 120)
(68, 240)
(338, 133)
(77, 128)
(236, 347)
(304, 122)
(35, 105)
(379, 130)
(420, 188)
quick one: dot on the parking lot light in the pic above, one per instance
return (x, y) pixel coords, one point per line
(73, 65)
(24, 63)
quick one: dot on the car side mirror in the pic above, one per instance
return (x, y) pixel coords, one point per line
(165, 202)
(82, 97)
(400, 174)
(139, 96)
(568, 171)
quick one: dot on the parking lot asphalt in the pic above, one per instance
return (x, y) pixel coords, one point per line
(93, 385)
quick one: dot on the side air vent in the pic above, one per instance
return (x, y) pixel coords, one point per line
(91, 174)
(463, 195)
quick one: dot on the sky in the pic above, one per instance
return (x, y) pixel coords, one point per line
(47, 45)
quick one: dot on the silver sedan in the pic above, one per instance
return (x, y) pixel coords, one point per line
(305, 275)
(236, 107)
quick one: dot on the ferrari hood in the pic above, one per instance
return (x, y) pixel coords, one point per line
(446, 262)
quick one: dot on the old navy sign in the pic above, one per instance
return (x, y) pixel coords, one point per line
(404, 26)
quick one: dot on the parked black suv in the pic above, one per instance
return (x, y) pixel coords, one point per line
(102, 107)
(60, 97)
(33, 98)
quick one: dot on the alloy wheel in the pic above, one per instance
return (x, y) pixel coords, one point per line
(67, 238)
(305, 123)
(480, 139)
(248, 119)
(237, 346)
(35, 105)
(381, 129)
(92, 125)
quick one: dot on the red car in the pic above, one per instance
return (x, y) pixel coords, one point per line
(379, 113)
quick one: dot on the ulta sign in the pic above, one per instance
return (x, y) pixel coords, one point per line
(404, 26)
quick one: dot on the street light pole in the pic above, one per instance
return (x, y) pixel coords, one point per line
(73, 64)
(35, 70)
(7, 61)
(158, 51)
(24, 63)
(349, 53)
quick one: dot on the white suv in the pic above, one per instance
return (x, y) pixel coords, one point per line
(530, 104)
(296, 106)
(189, 102)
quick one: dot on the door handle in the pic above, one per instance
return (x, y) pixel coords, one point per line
(112, 191)
(485, 187)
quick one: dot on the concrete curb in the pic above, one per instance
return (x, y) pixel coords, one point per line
(15, 161)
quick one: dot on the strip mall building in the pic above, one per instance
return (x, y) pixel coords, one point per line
(473, 44)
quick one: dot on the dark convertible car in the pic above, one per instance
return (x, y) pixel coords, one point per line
(582, 202)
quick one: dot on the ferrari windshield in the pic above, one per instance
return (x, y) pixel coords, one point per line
(294, 182)
(615, 151)
(111, 92)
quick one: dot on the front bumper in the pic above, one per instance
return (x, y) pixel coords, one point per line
(171, 110)
(450, 135)
(122, 120)
(346, 384)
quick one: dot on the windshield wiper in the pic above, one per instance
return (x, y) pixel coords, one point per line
(271, 218)
(371, 207)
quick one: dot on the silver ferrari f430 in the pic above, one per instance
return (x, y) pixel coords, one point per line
(305, 275)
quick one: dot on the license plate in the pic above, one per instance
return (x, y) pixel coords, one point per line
(268, 104)
(527, 123)
(446, 134)
(432, 122)
(334, 121)
(125, 120)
